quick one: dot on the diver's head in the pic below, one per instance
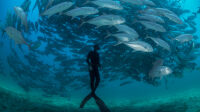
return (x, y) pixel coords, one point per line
(96, 47)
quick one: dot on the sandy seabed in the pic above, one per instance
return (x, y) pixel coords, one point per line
(188, 101)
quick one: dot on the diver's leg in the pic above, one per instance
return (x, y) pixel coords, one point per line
(85, 100)
(102, 106)
(92, 80)
(97, 79)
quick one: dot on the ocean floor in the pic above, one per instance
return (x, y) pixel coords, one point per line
(188, 101)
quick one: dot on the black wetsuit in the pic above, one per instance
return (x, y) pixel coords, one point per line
(93, 62)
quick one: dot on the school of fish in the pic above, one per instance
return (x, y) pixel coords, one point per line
(152, 19)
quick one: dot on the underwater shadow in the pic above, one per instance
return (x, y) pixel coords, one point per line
(100, 103)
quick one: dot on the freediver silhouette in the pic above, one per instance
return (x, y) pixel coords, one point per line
(93, 62)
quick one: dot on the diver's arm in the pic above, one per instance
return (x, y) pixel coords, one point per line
(99, 65)
(88, 59)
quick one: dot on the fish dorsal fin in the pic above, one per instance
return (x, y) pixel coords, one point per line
(82, 24)
(118, 43)
(108, 34)
(87, 2)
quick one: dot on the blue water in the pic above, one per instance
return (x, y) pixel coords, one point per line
(131, 95)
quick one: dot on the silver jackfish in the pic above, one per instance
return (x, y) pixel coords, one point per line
(150, 11)
(133, 2)
(153, 26)
(123, 38)
(162, 11)
(105, 20)
(57, 9)
(161, 43)
(140, 46)
(22, 15)
(49, 4)
(16, 35)
(148, 2)
(160, 71)
(173, 17)
(127, 29)
(169, 14)
(184, 38)
(82, 11)
(108, 4)
(152, 18)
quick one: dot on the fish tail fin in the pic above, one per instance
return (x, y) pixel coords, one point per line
(82, 24)
(118, 43)
(108, 35)
(49, 4)
(85, 3)
(46, 8)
